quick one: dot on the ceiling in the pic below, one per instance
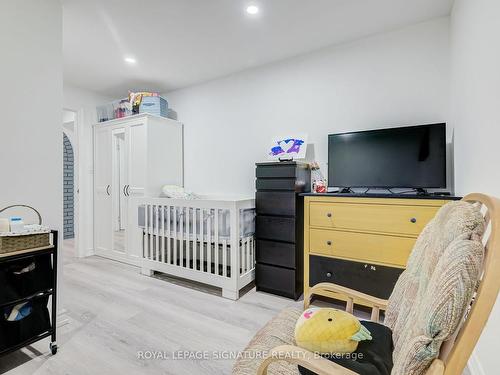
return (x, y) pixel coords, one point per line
(178, 43)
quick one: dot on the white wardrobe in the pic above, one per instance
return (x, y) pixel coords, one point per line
(133, 158)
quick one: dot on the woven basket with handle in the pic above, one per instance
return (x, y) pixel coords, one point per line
(23, 241)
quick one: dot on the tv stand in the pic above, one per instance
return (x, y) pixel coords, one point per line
(415, 191)
(354, 247)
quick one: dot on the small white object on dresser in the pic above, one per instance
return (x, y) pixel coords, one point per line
(16, 224)
(133, 158)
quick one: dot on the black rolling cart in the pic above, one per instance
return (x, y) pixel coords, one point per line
(29, 276)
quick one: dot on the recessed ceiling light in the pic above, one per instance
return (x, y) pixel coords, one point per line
(130, 60)
(252, 9)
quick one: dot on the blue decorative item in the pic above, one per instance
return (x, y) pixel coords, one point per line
(18, 312)
(289, 148)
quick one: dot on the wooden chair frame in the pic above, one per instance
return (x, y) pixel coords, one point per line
(454, 353)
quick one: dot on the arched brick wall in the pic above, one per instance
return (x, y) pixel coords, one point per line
(68, 188)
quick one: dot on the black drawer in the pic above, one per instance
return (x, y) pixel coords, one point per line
(25, 277)
(36, 323)
(275, 170)
(276, 253)
(275, 203)
(3, 338)
(275, 228)
(285, 184)
(276, 280)
(371, 279)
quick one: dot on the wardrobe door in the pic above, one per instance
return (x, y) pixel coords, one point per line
(137, 160)
(136, 188)
(119, 189)
(102, 190)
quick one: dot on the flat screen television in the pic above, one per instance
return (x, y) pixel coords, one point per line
(406, 157)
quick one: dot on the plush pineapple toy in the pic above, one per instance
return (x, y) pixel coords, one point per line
(329, 331)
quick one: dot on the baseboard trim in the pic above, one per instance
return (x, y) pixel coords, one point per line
(88, 253)
(474, 366)
(62, 319)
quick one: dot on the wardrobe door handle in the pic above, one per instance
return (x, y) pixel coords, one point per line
(413, 220)
(107, 189)
(128, 190)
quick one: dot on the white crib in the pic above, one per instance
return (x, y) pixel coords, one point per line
(206, 240)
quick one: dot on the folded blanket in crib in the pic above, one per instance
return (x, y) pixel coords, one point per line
(177, 192)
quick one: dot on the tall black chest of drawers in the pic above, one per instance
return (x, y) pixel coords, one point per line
(279, 227)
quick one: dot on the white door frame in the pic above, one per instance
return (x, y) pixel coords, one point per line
(79, 199)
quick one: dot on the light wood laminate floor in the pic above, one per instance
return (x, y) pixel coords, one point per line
(112, 313)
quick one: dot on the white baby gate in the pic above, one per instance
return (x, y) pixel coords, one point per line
(205, 240)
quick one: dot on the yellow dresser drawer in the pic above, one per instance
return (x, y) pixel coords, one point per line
(382, 249)
(397, 219)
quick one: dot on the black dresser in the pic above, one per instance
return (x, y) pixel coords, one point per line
(280, 227)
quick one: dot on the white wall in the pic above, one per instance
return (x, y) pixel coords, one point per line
(475, 114)
(390, 79)
(84, 102)
(30, 128)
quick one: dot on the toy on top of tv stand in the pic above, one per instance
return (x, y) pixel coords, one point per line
(319, 184)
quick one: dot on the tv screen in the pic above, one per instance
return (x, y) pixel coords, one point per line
(407, 157)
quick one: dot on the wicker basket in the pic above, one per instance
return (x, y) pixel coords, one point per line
(23, 241)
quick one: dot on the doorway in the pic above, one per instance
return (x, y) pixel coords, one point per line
(70, 186)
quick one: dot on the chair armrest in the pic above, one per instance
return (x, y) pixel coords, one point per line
(437, 368)
(298, 356)
(328, 290)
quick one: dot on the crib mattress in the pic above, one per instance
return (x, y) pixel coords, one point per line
(184, 215)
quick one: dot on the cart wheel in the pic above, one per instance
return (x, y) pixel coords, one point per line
(53, 348)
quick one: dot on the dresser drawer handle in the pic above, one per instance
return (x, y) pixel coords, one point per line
(413, 220)
(329, 214)
(329, 243)
(328, 274)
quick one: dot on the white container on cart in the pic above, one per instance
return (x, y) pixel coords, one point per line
(16, 224)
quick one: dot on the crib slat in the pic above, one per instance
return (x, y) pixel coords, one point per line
(247, 249)
(253, 252)
(162, 235)
(202, 241)
(169, 231)
(209, 241)
(224, 257)
(216, 235)
(250, 253)
(181, 235)
(146, 234)
(188, 239)
(157, 234)
(176, 216)
(241, 265)
(241, 252)
(195, 241)
(151, 237)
